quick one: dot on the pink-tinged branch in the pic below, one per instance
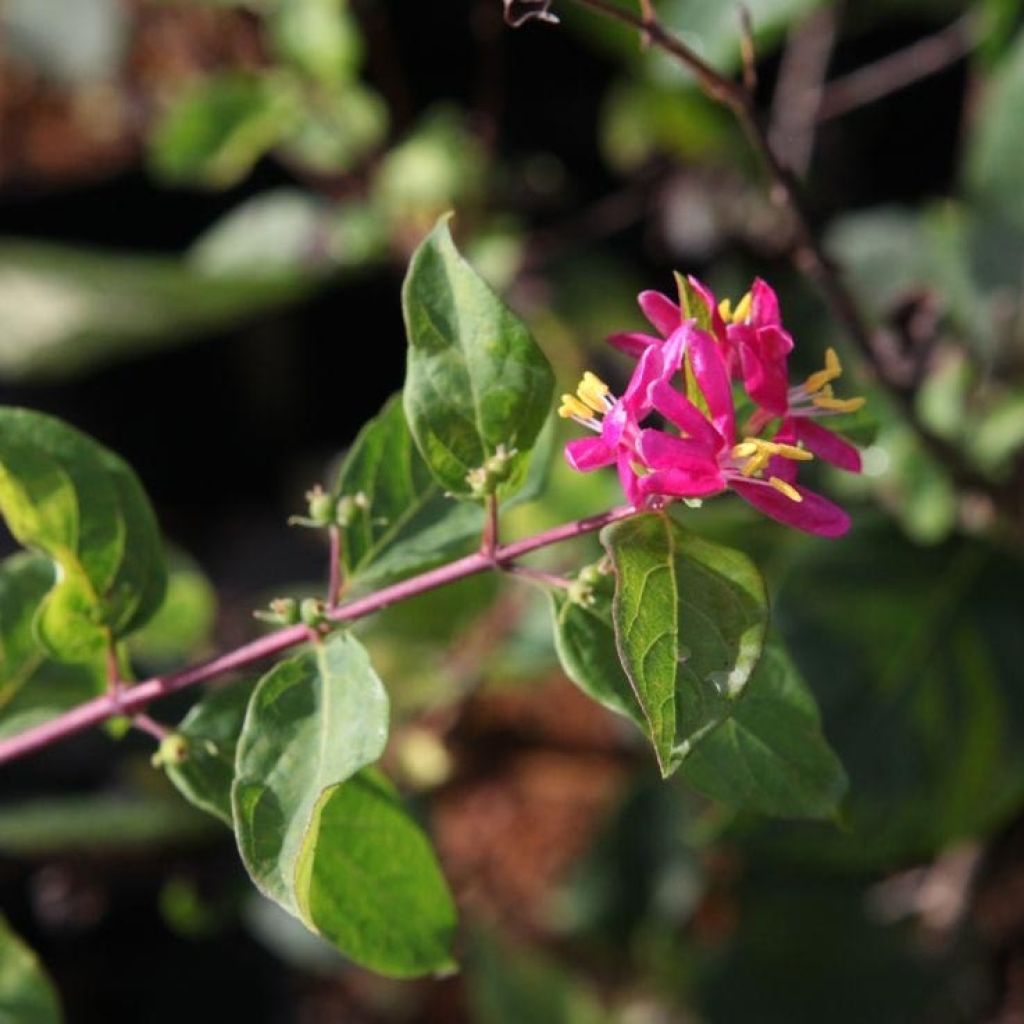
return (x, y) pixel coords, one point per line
(133, 700)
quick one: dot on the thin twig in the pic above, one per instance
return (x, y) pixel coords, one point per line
(799, 87)
(138, 697)
(898, 70)
(151, 727)
(334, 577)
(549, 579)
(747, 50)
(490, 539)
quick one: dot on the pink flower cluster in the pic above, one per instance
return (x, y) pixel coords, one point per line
(685, 374)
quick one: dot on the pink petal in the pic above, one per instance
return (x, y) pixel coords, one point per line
(662, 312)
(663, 451)
(765, 380)
(635, 399)
(633, 343)
(680, 411)
(713, 380)
(587, 453)
(629, 480)
(681, 483)
(717, 324)
(814, 514)
(764, 304)
(827, 445)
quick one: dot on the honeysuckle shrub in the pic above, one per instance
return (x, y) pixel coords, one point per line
(669, 629)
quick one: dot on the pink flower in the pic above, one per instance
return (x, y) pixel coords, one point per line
(705, 456)
(756, 348)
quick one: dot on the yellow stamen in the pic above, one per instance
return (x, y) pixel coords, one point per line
(786, 488)
(839, 404)
(758, 450)
(790, 451)
(744, 449)
(833, 371)
(743, 308)
(592, 391)
(756, 464)
(740, 313)
(571, 406)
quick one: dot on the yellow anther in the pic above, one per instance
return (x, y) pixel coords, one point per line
(786, 488)
(839, 404)
(833, 371)
(743, 308)
(571, 406)
(744, 449)
(790, 451)
(758, 451)
(756, 464)
(592, 392)
(737, 315)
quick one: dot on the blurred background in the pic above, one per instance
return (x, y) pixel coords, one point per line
(206, 208)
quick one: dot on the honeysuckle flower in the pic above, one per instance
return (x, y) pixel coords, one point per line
(616, 420)
(755, 347)
(706, 456)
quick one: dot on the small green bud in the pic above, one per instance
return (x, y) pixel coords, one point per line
(348, 507)
(589, 577)
(284, 611)
(485, 479)
(322, 509)
(173, 749)
(312, 612)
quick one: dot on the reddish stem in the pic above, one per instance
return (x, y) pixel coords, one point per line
(334, 579)
(136, 698)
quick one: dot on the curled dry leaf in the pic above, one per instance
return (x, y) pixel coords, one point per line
(518, 12)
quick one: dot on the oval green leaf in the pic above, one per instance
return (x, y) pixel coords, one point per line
(211, 729)
(369, 882)
(34, 687)
(585, 643)
(690, 619)
(69, 497)
(312, 722)
(27, 995)
(770, 755)
(475, 378)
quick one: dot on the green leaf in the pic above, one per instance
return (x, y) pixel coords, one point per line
(995, 151)
(68, 309)
(585, 642)
(27, 995)
(690, 619)
(183, 624)
(66, 495)
(312, 722)
(770, 756)
(475, 378)
(61, 826)
(369, 882)
(214, 132)
(335, 134)
(408, 524)
(212, 728)
(34, 687)
(319, 37)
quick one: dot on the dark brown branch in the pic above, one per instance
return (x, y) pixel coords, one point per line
(904, 67)
(809, 255)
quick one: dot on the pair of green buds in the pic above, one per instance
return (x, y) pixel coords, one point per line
(325, 509)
